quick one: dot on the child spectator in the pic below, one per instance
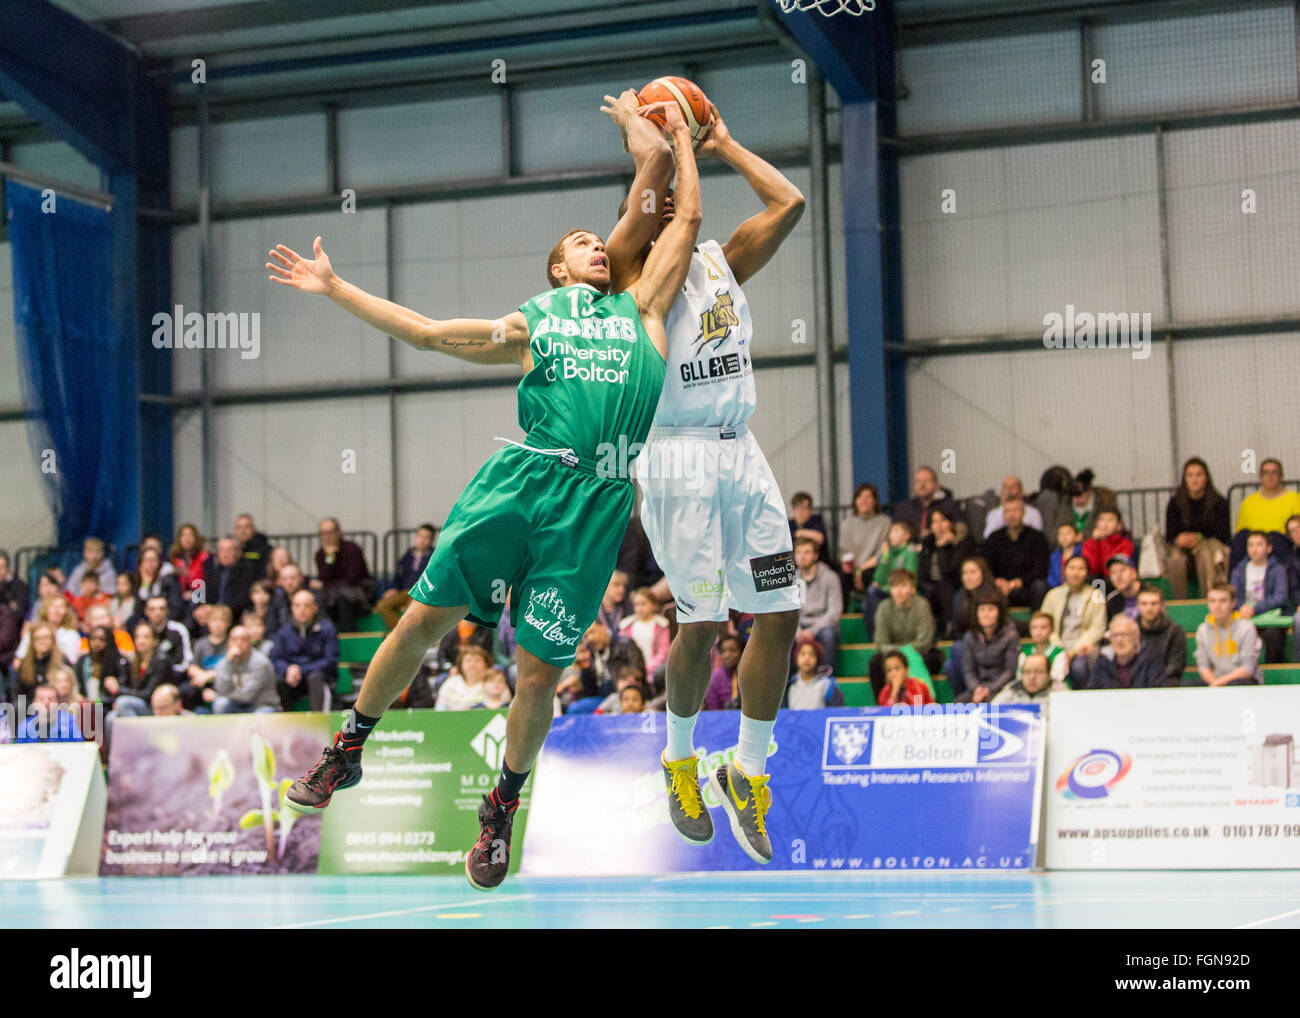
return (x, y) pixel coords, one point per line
(989, 651)
(1165, 637)
(649, 631)
(1067, 546)
(898, 686)
(896, 553)
(1122, 600)
(631, 700)
(463, 688)
(1034, 684)
(257, 632)
(812, 686)
(1108, 540)
(208, 653)
(259, 598)
(125, 604)
(904, 620)
(1086, 501)
(724, 684)
(1227, 646)
(1260, 586)
(90, 594)
(93, 560)
(496, 690)
(1043, 643)
(628, 675)
(808, 524)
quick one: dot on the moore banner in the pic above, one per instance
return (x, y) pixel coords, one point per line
(191, 795)
(1174, 779)
(952, 787)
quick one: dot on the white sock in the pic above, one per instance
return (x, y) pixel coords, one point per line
(681, 736)
(755, 737)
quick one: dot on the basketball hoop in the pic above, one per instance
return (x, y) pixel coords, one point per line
(829, 7)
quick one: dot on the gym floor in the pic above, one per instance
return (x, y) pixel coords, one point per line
(1267, 899)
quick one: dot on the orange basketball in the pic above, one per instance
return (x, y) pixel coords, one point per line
(689, 96)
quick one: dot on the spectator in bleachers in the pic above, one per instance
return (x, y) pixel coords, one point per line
(1124, 584)
(1033, 684)
(289, 582)
(244, 679)
(1043, 643)
(99, 615)
(1018, 557)
(1227, 645)
(394, 601)
(585, 683)
(189, 556)
(151, 581)
(819, 618)
(66, 694)
(976, 577)
(926, 495)
(171, 638)
(47, 723)
(254, 546)
(259, 599)
(13, 591)
(862, 531)
(648, 629)
(305, 654)
(150, 669)
(1013, 490)
(256, 628)
(101, 662)
(496, 690)
(989, 651)
(627, 675)
(125, 604)
(277, 560)
(1109, 538)
(209, 651)
(1260, 586)
(1052, 498)
(1166, 638)
(1125, 663)
(35, 661)
(614, 605)
(58, 615)
(939, 565)
(48, 584)
(11, 632)
(343, 584)
(227, 580)
(897, 686)
(1292, 560)
(724, 684)
(903, 620)
(898, 552)
(813, 685)
(1087, 500)
(465, 634)
(808, 524)
(1267, 509)
(1067, 546)
(1196, 531)
(631, 700)
(90, 594)
(165, 702)
(94, 560)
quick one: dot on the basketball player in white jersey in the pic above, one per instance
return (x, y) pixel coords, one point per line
(712, 509)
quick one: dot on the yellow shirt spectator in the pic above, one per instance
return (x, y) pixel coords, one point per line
(1268, 514)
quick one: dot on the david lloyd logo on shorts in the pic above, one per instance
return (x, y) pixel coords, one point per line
(546, 613)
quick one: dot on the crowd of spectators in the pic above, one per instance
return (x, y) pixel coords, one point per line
(235, 625)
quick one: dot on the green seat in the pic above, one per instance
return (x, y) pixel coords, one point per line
(854, 659)
(372, 623)
(358, 648)
(857, 692)
(1282, 675)
(1188, 614)
(853, 629)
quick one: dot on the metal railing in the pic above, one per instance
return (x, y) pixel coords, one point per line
(1238, 492)
(302, 549)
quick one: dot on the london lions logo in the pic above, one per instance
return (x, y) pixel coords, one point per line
(849, 740)
(547, 614)
(1094, 774)
(716, 322)
(490, 743)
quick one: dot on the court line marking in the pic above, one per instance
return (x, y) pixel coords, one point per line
(442, 905)
(1270, 919)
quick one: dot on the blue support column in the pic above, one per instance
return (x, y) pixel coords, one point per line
(93, 93)
(856, 56)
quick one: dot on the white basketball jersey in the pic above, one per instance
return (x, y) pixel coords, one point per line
(710, 379)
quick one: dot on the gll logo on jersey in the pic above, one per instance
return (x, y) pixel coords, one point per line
(847, 741)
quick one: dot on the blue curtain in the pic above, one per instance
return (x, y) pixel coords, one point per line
(78, 370)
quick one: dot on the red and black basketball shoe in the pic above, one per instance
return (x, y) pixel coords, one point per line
(489, 859)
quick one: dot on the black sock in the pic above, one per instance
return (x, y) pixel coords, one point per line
(509, 785)
(355, 730)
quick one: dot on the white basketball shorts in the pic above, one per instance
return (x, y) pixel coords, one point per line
(716, 523)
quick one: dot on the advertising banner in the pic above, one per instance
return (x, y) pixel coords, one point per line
(416, 809)
(1174, 779)
(51, 810)
(853, 789)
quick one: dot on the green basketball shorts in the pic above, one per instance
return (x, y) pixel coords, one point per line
(546, 532)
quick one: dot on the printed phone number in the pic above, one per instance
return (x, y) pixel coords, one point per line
(1261, 830)
(389, 838)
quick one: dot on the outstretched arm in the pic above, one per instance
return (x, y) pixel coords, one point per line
(758, 237)
(480, 340)
(670, 258)
(654, 170)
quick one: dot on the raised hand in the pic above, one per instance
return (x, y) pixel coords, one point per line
(715, 136)
(670, 111)
(292, 269)
(623, 108)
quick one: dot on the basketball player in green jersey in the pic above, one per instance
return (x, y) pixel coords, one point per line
(538, 519)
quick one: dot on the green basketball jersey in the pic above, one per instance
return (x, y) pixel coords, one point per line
(596, 375)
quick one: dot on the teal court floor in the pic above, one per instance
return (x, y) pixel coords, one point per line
(1265, 899)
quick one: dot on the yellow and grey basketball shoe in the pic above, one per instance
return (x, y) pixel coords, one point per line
(746, 800)
(685, 805)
